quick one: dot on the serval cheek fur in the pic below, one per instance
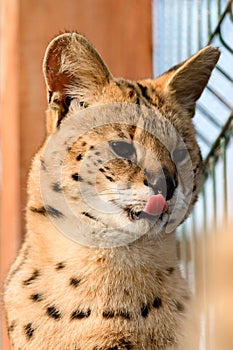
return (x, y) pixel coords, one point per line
(120, 168)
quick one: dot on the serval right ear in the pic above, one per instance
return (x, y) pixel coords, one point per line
(72, 69)
(183, 84)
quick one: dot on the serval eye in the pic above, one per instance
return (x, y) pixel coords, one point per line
(123, 149)
(179, 155)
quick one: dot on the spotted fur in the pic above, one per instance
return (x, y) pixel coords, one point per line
(122, 289)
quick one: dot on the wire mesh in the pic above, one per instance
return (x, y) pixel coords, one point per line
(182, 27)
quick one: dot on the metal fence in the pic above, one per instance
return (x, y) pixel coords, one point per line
(182, 27)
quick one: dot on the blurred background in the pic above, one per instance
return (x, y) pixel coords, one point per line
(137, 39)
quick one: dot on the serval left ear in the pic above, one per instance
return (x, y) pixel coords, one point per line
(184, 83)
(72, 69)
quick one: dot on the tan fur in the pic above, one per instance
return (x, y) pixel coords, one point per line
(124, 290)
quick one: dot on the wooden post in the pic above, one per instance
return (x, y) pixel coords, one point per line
(9, 138)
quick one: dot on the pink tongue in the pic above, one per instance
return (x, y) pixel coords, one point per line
(156, 205)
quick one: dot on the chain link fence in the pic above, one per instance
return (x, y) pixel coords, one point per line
(181, 28)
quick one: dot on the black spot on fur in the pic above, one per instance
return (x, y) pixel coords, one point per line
(88, 215)
(120, 344)
(80, 314)
(157, 303)
(31, 279)
(170, 270)
(194, 188)
(108, 314)
(40, 210)
(196, 169)
(36, 297)
(11, 327)
(84, 144)
(75, 281)
(102, 170)
(43, 166)
(60, 266)
(180, 307)
(145, 310)
(79, 157)
(29, 330)
(56, 187)
(53, 312)
(54, 212)
(123, 313)
(125, 343)
(77, 177)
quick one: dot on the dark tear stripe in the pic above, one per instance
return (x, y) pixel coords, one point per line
(53, 313)
(31, 279)
(88, 215)
(77, 314)
(29, 330)
(157, 303)
(75, 282)
(145, 310)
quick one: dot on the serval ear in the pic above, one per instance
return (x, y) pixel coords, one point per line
(184, 83)
(73, 69)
